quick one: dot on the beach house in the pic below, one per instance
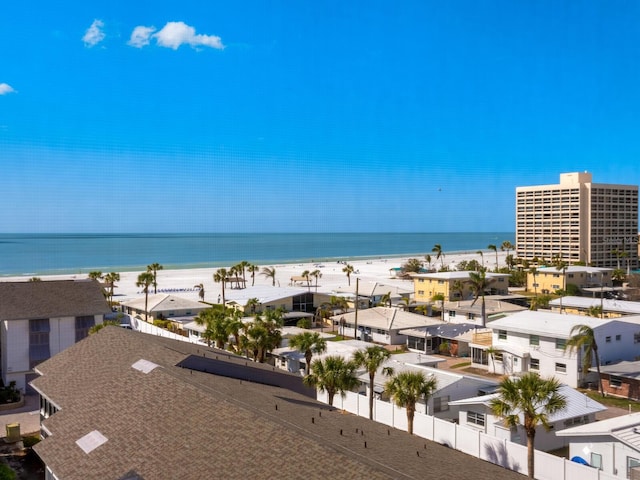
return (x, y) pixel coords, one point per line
(39, 319)
(591, 280)
(536, 340)
(428, 285)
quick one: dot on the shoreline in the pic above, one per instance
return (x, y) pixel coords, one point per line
(181, 281)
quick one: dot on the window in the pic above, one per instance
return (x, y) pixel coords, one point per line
(596, 461)
(534, 364)
(441, 404)
(636, 337)
(420, 292)
(83, 324)
(618, 338)
(632, 463)
(475, 418)
(534, 340)
(615, 382)
(452, 313)
(560, 343)
(471, 316)
(497, 357)
(502, 334)
(38, 341)
(607, 339)
(561, 367)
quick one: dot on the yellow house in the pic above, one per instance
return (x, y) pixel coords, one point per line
(549, 279)
(426, 285)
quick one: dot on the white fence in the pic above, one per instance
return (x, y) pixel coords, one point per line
(468, 440)
(140, 325)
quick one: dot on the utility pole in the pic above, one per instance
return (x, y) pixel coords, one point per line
(355, 332)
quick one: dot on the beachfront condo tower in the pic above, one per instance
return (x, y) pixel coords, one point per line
(578, 221)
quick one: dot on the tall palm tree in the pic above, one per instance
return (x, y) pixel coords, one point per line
(243, 266)
(221, 276)
(145, 280)
(479, 282)
(263, 334)
(427, 258)
(153, 268)
(252, 269)
(95, 275)
(110, 279)
(348, 270)
(385, 300)
(307, 276)
(316, 274)
(406, 388)
(561, 266)
(528, 400)
(269, 272)
(507, 246)
(372, 358)
(308, 343)
(437, 249)
(583, 339)
(534, 273)
(332, 374)
(200, 288)
(479, 252)
(494, 249)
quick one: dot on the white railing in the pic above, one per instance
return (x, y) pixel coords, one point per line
(468, 440)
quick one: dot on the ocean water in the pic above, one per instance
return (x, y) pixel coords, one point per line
(41, 254)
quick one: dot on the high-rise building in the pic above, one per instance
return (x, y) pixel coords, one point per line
(578, 221)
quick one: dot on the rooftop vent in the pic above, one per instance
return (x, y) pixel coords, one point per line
(145, 366)
(91, 441)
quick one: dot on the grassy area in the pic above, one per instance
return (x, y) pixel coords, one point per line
(610, 401)
(461, 364)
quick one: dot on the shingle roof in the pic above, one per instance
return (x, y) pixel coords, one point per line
(50, 299)
(179, 423)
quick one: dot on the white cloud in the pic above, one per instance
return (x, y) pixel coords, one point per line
(174, 34)
(141, 36)
(6, 88)
(94, 34)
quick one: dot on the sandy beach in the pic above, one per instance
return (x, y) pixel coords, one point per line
(182, 281)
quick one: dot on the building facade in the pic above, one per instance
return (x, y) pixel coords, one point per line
(578, 221)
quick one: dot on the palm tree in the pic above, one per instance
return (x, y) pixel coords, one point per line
(348, 270)
(479, 282)
(332, 374)
(307, 276)
(534, 273)
(458, 287)
(437, 249)
(153, 268)
(242, 266)
(269, 272)
(263, 334)
(252, 304)
(427, 258)
(308, 343)
(406, 303)
(385, 300)
(479, 252)
(507, 246)
(316, 274)
(252, 269)
(200, 288)
(561, 266)
(406, 388)
(95, 275)
(221, 276)
(528, 400)
(145, 280)
(495, 249)
(215, 324)
(234, 326)
(372, 358)
(583, 339)
(110, 279)
(439, 297)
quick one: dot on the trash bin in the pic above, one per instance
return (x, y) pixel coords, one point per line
(13, 433)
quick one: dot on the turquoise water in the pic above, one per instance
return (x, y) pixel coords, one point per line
(40, 254)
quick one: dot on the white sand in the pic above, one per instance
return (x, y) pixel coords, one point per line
(367, 270)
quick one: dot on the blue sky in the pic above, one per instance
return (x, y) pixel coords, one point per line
(256, 116)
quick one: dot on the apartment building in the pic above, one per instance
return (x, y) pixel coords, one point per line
(578, 221)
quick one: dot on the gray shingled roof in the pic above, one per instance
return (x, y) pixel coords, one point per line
(178, 423)
(50, 299)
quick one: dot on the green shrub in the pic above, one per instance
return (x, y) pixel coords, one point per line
(30, 441)
(7, 473)
(304, 323)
